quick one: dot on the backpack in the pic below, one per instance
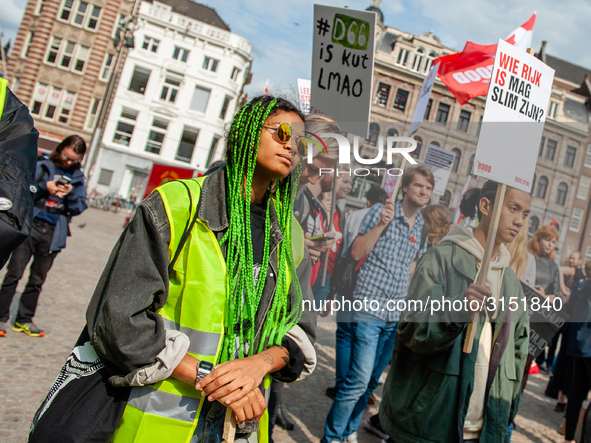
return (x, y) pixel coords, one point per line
(346, 269)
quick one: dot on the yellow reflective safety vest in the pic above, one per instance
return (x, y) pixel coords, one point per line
(169, 410)
(3, 87)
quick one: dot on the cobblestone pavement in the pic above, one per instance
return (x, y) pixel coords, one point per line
(28, 366)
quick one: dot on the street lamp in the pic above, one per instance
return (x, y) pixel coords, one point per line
(123, 42)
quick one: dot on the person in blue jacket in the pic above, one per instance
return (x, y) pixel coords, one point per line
(579, 347)
(61, 194)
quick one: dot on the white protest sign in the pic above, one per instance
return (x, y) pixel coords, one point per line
(514, 118)
(439, 161)
(426, 89)
(304, 94)
(342, 66)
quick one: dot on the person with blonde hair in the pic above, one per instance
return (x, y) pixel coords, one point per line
(522, 261)
(438, 222)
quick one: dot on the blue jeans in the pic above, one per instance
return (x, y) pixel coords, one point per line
(373, 340)
(344, 346)
(321, 292)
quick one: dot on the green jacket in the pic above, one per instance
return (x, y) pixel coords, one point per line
(427, 391)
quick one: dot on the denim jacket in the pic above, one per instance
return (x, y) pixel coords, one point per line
(122, 322)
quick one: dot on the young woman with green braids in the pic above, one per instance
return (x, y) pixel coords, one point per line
(200, 304)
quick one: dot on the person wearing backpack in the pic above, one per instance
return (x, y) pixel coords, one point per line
(390, 237)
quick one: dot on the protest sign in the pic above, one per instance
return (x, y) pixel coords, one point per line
(424, 94)
(439, 161)
(304, 94)
(514, 118)
(342, 66)
(543, 322)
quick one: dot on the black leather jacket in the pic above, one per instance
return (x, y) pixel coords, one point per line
(18, 158)
(547, 275)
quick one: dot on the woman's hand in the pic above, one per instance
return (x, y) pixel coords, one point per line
(250, 407)
(243, 375)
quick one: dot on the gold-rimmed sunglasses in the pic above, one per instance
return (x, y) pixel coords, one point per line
(284, 133)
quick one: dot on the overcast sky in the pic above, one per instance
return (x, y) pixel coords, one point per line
(281, 31)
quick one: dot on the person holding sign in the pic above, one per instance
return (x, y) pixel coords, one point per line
(434, 391)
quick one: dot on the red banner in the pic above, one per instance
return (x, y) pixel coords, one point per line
(467, 73)
(163, 174)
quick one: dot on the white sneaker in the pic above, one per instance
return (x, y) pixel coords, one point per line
(352, 438)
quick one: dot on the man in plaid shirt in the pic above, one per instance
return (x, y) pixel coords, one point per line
(390, 237)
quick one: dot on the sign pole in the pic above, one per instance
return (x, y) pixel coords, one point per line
(333, 208)
(490, 241)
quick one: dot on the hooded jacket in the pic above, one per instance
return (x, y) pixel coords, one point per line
(432, 383)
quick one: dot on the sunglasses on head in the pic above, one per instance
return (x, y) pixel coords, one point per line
(284, 134)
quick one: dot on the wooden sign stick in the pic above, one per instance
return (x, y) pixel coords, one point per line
(398, 181)
(490, 241)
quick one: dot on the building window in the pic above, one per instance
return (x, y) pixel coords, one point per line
(428, 109)
(374, 131)
(180, 54)
(479, 125)
(235, 73)
(210, 64)
(125, 127)
(402, 57)
(39, 97)
(212, 150)
(553, 109)
(542, 187)
(542, 146)
(445, 199)
(471, 164)
(67, 54)
(28, 43)
(225, 105)
(139, 80)
(15, 84)
(66, 107)
(429, 62)
(54, 50)
(418, 60)
(569, 158)
(105, 177)
(561, 194)
(66, 9)
(39, 7)
(95, 11)
(583, 189)
(107, 66)
(533, 224)
(156, 136)
(93, 113)
(551, 149)
(588, 157)
(200, 99)
(464, 120)
(400, 100)
(576, 219)
(588, 254)
(442, 113)
(457, 158)
(417, 152)
(81, 57)
(187, 145)
(382, 94)
(80, 13)
(170, 89)
(392, 132)
(150, 44)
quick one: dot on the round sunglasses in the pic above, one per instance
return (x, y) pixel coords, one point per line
(284, 134)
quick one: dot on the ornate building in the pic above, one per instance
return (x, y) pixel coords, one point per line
(58, 59)
(177, 89)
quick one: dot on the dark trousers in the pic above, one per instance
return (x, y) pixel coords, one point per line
(577, 394)
(37, 246)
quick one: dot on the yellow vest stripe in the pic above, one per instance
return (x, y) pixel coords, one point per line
(153, 401)
(201, 342)
(3, 86)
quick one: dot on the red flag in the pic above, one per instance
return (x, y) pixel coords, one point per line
(467, 74)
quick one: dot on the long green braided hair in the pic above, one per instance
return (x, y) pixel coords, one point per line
(243, 295)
